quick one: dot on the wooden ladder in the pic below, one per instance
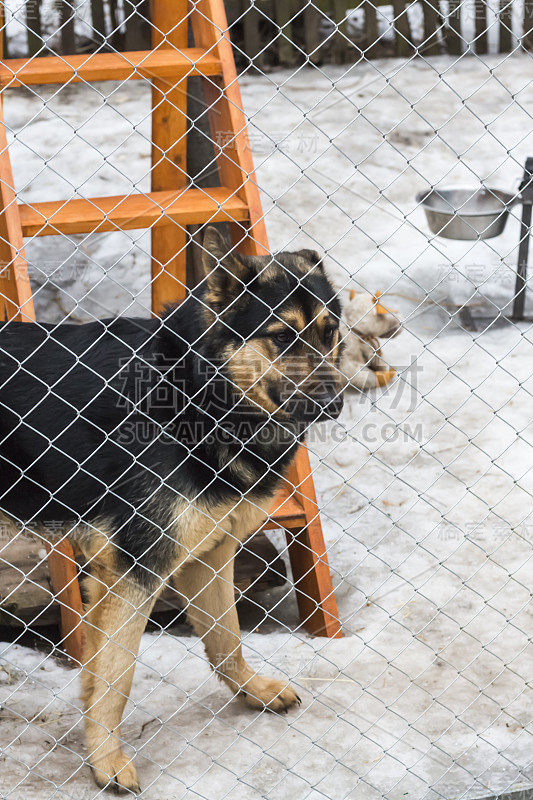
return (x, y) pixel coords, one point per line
(167, 209)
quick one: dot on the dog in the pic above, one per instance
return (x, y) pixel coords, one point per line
(158, 446)
(362, 327)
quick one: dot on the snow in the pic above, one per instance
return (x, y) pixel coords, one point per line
(425, 487)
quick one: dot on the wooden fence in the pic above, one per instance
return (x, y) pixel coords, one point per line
(287, 32)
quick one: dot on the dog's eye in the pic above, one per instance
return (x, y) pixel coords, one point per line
(284, 337)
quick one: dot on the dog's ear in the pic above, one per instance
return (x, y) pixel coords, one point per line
(225, 273)
(312, 256)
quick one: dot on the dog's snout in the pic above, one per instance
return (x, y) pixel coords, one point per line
(331, 405)
(330, 402)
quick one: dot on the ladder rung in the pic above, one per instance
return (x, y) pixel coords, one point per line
(98, 214)
(163, 63)
(286, 511)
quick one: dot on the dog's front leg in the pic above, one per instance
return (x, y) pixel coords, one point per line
(118, 611)
(207, 583)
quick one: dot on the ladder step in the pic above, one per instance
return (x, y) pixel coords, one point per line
(163, 63)
(132, 212)
(286, 512)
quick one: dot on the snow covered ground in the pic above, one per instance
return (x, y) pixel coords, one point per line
(425, 487)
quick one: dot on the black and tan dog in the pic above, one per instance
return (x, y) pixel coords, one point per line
(158, 446)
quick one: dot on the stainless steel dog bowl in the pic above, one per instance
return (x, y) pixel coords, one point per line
(466, 213)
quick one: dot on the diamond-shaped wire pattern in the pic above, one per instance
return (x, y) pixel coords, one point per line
(359, 121)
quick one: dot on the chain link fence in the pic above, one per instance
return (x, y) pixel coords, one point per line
(360, 120)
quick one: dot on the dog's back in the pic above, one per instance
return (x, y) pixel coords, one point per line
(56, 384)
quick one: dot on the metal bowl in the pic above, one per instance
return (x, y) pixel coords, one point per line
(466, 213)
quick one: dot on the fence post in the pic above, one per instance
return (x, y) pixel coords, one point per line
(527, 37)
(33, 26)
(453, 35)
(341, 44)
(98, 19)
(252, 36)
(312, 17)
(137, 31)
(371, 29)
(506, 25)
(430, 10)
(66, 20)
(480, 11)
(284, 10)
(402, 29)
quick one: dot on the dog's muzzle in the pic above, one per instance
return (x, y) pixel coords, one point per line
(316, 407)
(329, 405)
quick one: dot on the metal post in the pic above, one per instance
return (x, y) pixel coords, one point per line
(526, 190)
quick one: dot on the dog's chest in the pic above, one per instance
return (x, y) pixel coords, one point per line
(198, 529)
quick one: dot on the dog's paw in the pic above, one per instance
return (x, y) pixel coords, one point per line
(116, 772)
(261, 693)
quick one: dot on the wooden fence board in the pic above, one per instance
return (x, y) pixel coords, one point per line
(453, 35)
(404, 38)
(480, 10)
(312, 18)
(341, 47)
(299, 22)
(527, 31)
(284, 10)
(506, 23)
(33, 26)
(431, 12)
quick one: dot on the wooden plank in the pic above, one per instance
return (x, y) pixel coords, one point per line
(372, 42)
(108, 66)
(454, 41)
(402, 29)
(253, 46)
(228, 124)
(15, 289)
(309, 561)
(527, 38)
(506, 26)
(480, 11)
(66, 21)
(138, 29)
(284, 12)
(133, 212)
(341, 45)
(169, 155)
(115, 26)
(98, 21)
(312, 17)
(66, 588)
(431, 12)
(25, 595)
(286, 510)
(33, 27)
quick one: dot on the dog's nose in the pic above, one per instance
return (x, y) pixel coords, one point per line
(331, 405)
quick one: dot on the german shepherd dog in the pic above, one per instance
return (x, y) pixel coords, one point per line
(157, 446)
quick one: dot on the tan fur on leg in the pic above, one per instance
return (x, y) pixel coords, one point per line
(118, 612)
(208, 585)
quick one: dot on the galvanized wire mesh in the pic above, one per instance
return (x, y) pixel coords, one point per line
(423, 483)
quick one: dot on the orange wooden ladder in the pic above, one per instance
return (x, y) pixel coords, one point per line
(167, 209)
